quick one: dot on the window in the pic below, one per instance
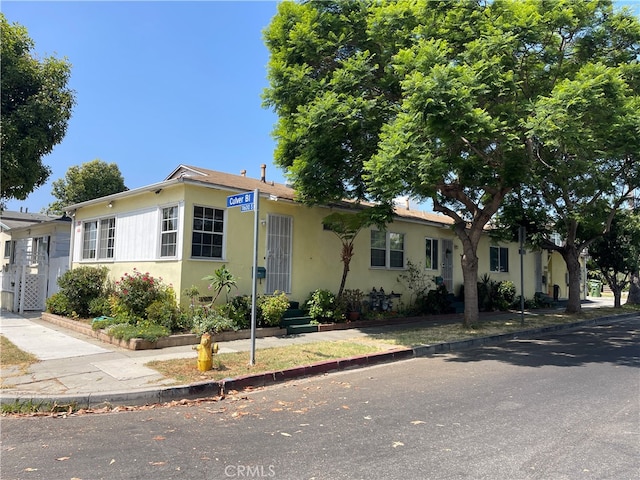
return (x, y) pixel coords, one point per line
(169, 232)
(387, 249)
(98, 239)
(499, 259)
(208, 231)
(7, 249)
(431, 254)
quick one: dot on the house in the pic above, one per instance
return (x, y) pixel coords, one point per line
(35, 254)
(184, 227)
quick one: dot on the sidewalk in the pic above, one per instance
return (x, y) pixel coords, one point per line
(81, 369)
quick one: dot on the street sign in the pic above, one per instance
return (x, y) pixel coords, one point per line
(241, 199)
(246, 207)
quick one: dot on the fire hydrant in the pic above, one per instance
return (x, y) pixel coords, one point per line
(205, 353)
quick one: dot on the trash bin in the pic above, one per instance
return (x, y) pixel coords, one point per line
(556, 292)
(595, 287)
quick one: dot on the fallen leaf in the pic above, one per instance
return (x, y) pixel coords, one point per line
(159, 437)
(113, 460)
(346, 407)
(29, 469)
(285, 434)
(62, 459)
(397, 444)
(157, 463)
(417, 422)
(368, 417)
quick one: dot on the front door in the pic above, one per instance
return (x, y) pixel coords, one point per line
(447, 264)
(279, 232)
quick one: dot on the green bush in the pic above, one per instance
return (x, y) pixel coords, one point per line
(80, 286)
(239, 311)
(58, 304)
(99, 307)
(164, 310)
(137, 291)
(505, 294)
(272, 307)
(207, 319)
(144, 330)
(322, 305)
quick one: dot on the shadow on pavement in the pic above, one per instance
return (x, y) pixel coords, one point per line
(617, 343)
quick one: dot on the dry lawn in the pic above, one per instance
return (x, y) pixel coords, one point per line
(229, 365)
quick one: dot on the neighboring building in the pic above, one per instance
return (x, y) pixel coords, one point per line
(181, 230)
(35, 254)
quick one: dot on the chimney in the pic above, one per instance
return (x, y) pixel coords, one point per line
(243, 173)
(263, 174)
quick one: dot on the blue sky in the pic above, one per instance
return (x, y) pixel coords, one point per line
(157, 84)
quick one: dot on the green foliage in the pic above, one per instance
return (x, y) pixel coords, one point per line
(91, 180)
(58, 304)
(164, 312)
(323, 306)
(353, 300)
(81, 286)
(222, 279)
(239, 311)
(494, 295)
(208, 319)
(144, 330)
(272, 307)
(36, 107)
(435, 302)
(506, 294)
(417, 281)
(100, 306)
(135, 292)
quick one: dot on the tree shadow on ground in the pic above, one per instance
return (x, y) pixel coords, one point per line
(617, 343)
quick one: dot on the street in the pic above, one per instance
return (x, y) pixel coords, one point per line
(565, 406)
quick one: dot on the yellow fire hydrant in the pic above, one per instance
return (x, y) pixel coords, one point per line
(205, 353)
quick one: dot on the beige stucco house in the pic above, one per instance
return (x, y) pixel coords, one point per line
(182, 229)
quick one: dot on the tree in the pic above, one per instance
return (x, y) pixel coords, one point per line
(36, 106)
(90, 180)
(617, 253)
(346, 226)
(423, 98)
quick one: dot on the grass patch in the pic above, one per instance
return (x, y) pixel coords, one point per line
(12, 356)
(31, 407)
(229, 365)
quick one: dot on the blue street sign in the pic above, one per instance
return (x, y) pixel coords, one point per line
(241, 199)
(246, 207)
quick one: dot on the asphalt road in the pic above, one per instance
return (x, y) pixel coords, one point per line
(563, 407)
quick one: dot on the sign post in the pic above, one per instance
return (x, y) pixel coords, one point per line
(250, 202)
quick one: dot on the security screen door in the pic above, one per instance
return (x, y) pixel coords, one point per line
(279, 230)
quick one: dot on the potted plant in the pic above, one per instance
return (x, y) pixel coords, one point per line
(353, 301)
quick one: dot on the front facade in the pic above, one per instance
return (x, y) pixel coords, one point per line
(181, 230)
(35, 251)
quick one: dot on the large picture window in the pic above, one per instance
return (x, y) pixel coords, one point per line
(387, 249)
(98, 239)
(169, 232)
(431, 254)
(499, 259)
(208, 232)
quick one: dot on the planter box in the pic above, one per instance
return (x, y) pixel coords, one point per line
(170, 341)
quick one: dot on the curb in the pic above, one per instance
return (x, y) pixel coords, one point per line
(225, 386)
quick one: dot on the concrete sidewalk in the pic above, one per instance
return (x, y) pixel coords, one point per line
(81, 369)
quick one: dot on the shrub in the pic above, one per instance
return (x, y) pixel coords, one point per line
(506, 294)
(239, 311)
(137, 291)
(145, 330)
(100, 306)
(80, 286)
(58, 303)
(207, 319)
(322, 305)
(272, 307)
(164, 312)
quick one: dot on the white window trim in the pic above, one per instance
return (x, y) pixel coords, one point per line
(225, 224)
(96, 257)
(500, 266)
(387, 265)
(434, 255)
(161, 232)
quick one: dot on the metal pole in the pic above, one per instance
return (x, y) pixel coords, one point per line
(254, 285)
(522, 233)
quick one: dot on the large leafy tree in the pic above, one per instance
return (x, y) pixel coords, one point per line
(617, 253)
(431, 99)
(90, 180)
(36, 106)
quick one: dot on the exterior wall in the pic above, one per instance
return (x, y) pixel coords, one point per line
(315, 252)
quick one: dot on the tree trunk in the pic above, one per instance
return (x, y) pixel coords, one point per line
(617, 295)
(571, 258)
(634, 290)
(346, 256)
(470, 276)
